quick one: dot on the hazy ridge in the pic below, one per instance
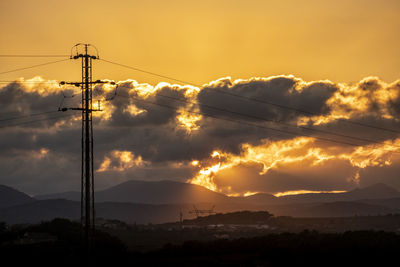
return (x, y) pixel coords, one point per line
(162, 201)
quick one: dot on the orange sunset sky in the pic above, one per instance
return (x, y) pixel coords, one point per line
(200, 41)
(336, 60)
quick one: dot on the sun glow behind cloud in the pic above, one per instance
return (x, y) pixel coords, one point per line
(281, 154)
(120, 161)
(312, 39)
(263, 154)
(298, 192)
(370, 94)
(188, 121)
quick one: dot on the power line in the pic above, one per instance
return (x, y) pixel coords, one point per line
(224, 110)
(247, 123)
(250, 124)
(34, 121)
(298, 110)
(249, 98)
(149, 72)
(190, 83)
(254, 117)
(29, 115)
(204, 105)
(27, 82)
(34, 66)
(26, 55)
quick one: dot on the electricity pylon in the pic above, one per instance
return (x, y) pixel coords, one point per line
(198, 212)
(87, 172)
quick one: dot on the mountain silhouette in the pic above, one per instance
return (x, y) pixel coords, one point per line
(160, 192)
(345, 209)
(376, 191)
(162, 201)
(69, 195)
(260, 198)
(171, 192)
(11, 197)
(45, 210)
(41, 210)
(149, 192)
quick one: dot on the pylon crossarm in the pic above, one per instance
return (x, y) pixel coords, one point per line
(79, 84)
(90, 110)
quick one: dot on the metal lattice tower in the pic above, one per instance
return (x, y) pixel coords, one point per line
(87, 171)
(87, 181)
(198, 212)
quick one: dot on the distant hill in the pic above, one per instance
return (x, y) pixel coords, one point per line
(141, 213)
(238, 217)
(393, 203)
(11, 197)
(376, 191)
(149, 213)
(171, 192)
(162, 201)
(150, 192)
(70, 195)
(260, 198)
(345, 209)
(160, 192)
(41, 210)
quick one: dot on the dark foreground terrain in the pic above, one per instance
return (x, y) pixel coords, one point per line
(58, 243)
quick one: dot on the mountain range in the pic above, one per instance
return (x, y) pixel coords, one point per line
(159, 192)
(12, 197)
(162, 201)
(171, 192)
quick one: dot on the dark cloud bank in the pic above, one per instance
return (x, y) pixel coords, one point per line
(44, 156)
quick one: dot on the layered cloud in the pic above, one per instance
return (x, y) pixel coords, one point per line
(272, 134)
(300, 155)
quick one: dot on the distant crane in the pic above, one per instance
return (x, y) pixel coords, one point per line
(198, 212)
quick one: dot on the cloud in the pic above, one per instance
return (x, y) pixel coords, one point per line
(298, 156)
(281, 90)
(120, 161)
(156, 132)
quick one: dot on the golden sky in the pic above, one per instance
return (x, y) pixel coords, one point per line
(200, 41)
(337, 59)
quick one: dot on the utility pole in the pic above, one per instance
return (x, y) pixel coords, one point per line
(87, 171)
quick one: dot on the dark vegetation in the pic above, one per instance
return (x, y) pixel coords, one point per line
(367, 248)
(238, 217)
(55, 243)
(58, 243)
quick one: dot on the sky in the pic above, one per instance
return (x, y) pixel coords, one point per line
(335, 60)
